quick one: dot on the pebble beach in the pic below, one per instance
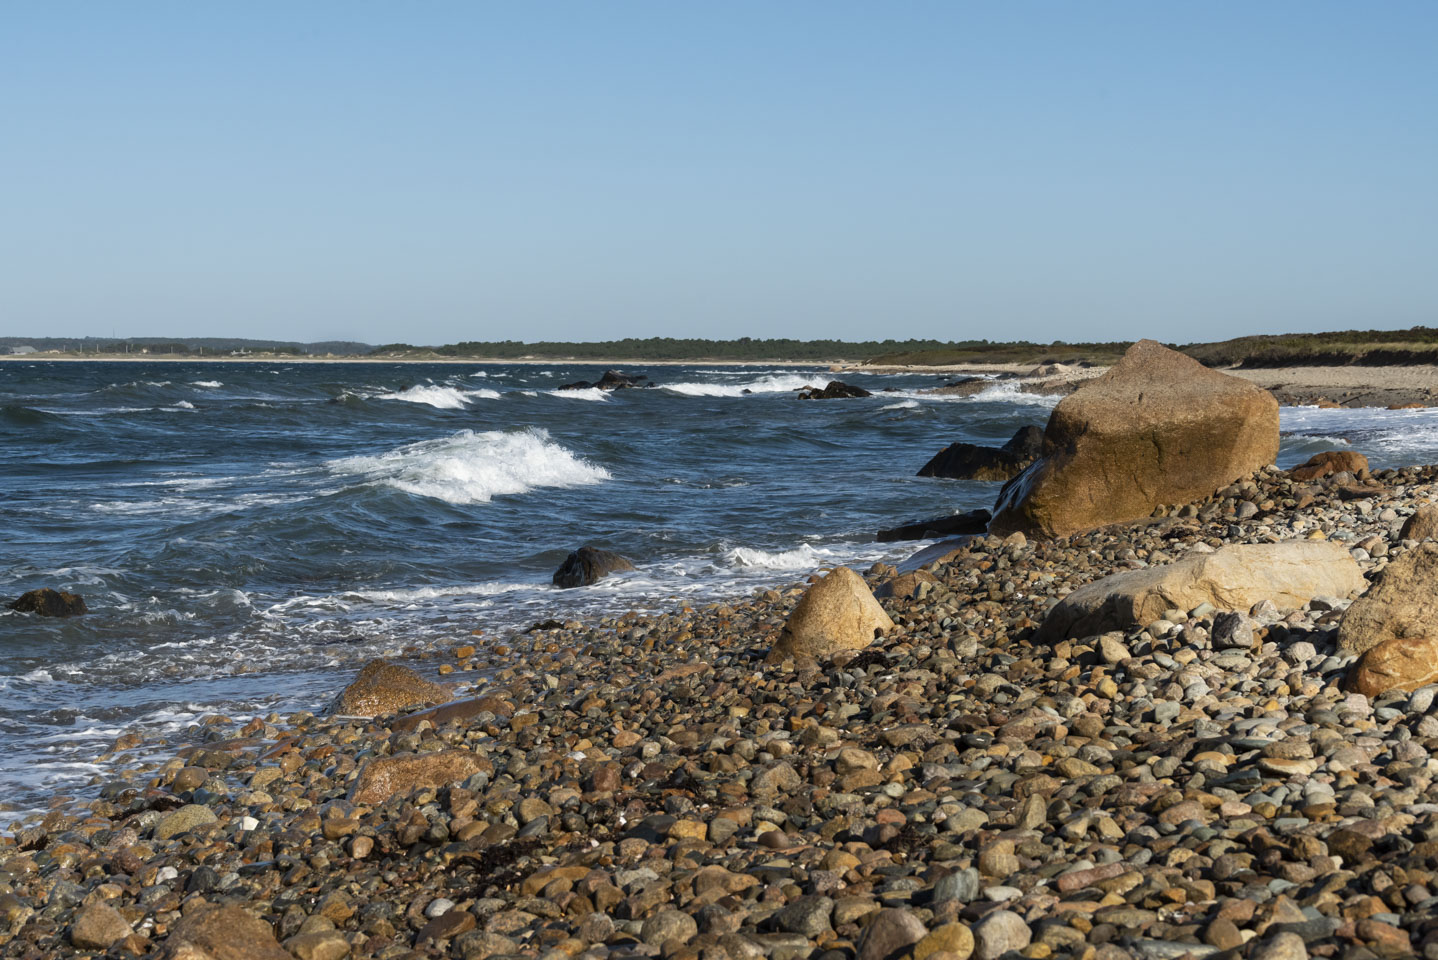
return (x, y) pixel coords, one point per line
(648, 786)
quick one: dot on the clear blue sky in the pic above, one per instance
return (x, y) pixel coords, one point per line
(430, 172)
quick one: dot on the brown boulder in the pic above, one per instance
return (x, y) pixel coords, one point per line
(588, 565)
(1403, 663)
(905, 586)
(383, 777)
(1403, 603)
(383, 688)
(1329, 462)
(98, 926)
(1423, 525)
(50, 603)
(837, 613)
(1157, 428)
(223, 933)
(1234, 577)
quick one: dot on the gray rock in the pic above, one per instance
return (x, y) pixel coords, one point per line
(998, 933)
(806, 915)
(961, 885)
(1284, 946)
(890, 935)
(668, 925)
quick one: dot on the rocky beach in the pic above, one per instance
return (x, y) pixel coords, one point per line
(1205, 731)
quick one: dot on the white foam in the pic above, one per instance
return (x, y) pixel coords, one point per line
(445, 398)
(470, 467)
(801, 557)
(773, 383)
(211, 384)
(1008, 391)
(432, 593)
(588, 393)
(901, 405)
(183, 405)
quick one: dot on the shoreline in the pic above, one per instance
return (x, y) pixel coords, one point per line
(647, 784)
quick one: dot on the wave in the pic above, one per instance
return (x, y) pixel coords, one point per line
(774, 383)
(470, 467)
(801, 557)
(445, 398)
(210, 384)
(27, 416)
(181, 405)
(1009, 391)
(901, 405)
(588, 393)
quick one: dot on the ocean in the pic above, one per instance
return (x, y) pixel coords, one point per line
(246, 535)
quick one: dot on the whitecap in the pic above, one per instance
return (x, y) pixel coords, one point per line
(210, 384)
(1009, 391)
(182, 405)
(588, 393)
(773, 383)
(470, 467)
(445, 398)
(901, 405)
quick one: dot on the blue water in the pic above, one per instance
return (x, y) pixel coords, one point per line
(246, 534)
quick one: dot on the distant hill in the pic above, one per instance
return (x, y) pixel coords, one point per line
(198, 346)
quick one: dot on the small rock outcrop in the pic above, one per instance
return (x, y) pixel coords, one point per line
(383, 777)
(836, 390)
(587, 566)
(612, 380)
(50, 603)
(954, 525)
(1329, 462)
(383, 688)
(837, 613)
(1403, 663)
(969, 461)
(1403, 603)
(1157, 428)
(1235, 577)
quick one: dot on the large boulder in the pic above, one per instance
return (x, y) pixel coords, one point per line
(1423, 525)
(50, 603)
(383, 777)
(227, 932)
(1403, 603)
(1234, 577)
(587, 566)
(955, 525)
(968, 461)
(837, 613)
(383, 688)
(1403, 663)
(1157, 428)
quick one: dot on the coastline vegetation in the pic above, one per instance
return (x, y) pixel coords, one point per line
(1417, 345)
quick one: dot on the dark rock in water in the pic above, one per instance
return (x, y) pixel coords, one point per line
(836, 390)
(587, 565)
(959, 524)
(546, 624)
(51, 603)
(968, 461)
(612, 380)
(968, 386)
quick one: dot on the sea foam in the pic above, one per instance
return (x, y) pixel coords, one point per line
(470, 467)
(774, 383)
(445, 398)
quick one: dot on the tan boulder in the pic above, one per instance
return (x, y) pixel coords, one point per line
(383, 777)
(383, 688)
(905, 586)
(1403, 603)
(1234, 577)
(1329, 462)
(98, 926)
(223, 933)
(1403, 663)
(837, 613)
(1423, 525)
(1157, 428)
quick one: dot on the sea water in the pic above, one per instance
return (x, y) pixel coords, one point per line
(246, 535)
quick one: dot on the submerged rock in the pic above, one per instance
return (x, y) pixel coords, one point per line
(837, 613)
(1234, 577)
(1157, 428)
(50, 603)
(588, 565)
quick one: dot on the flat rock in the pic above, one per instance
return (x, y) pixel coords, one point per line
(382, 688)
(1234, 577)
(383, 777)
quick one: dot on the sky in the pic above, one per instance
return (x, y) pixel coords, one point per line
(430, 172)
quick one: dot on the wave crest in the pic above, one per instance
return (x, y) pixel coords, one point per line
(470, 467)
(774, 383)
(444, 398)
